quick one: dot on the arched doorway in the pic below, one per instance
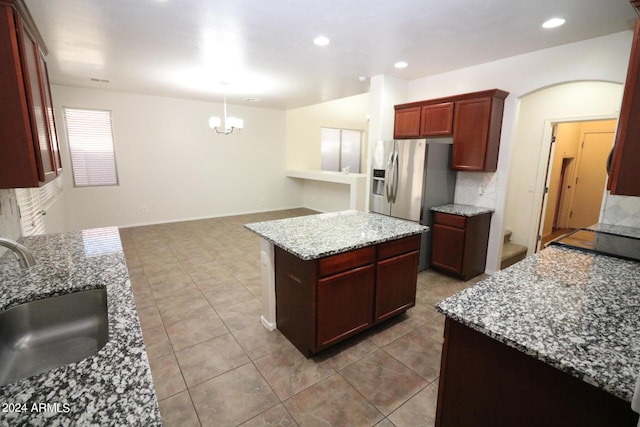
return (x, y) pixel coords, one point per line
(539, 111)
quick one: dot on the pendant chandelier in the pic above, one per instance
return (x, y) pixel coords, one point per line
(231, 124)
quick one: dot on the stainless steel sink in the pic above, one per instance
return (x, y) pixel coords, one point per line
(41, 335)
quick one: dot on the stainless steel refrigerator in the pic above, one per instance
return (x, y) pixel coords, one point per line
(409, 178)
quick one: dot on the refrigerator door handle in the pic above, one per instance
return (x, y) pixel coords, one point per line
(388, 187)
(396, 178)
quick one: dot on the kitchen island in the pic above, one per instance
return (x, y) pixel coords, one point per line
(553, 340)
(336, 274)
(112, 387)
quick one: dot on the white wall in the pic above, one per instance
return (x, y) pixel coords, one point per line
(171, 163)
(575, 101)
(303, 147)
(604, 58)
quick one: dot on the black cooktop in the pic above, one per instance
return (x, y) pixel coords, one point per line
(602, 243)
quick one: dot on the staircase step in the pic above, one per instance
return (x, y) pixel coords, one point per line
(507, 236)
(512, 253)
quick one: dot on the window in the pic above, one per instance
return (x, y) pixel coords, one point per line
(340, 149)
(90, 140)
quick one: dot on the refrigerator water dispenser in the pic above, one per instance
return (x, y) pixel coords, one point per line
(377, 186)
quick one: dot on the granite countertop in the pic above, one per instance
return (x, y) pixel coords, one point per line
(575, 311)
(316, 236)
(112, 387)
(462, 210)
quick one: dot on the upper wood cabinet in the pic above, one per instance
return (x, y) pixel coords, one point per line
(624, 174)
(476, 133)
(436, 119)
(474, 120)
(30, 154)
(407, 123)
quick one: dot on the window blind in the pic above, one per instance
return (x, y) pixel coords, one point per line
(90, 138)
(34, 202)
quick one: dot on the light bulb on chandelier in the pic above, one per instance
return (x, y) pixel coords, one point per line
(231, 124)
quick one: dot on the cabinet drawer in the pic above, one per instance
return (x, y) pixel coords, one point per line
(456, 221)
(346, 261)
(397, 247)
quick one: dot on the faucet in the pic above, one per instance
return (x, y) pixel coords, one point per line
(24, 255)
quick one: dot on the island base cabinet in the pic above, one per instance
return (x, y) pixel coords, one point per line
(484, 382)
(345, 304)
(323, 301)
(396, 285)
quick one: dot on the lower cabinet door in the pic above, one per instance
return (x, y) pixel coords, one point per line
(396, 285)
(447, 248)
(344, 305)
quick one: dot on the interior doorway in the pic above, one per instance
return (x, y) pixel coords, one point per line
(576, 177)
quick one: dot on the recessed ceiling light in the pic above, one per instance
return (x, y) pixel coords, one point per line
(400, 64)
(321, 41)
(553, 23)
(362, 78)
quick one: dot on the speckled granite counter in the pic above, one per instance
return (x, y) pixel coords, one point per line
(316, 236)
(462, 210)
(113, 387)
(575, 311)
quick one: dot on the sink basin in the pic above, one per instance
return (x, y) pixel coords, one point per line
(41, 335)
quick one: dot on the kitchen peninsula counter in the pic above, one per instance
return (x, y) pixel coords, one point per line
(574, 311)
(336, 274)
(112, 387)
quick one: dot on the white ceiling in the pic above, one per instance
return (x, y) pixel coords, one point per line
(264, 49)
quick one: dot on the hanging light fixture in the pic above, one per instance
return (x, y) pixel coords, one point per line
(231, 124)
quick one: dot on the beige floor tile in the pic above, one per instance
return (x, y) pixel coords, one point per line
(390, 330)
(188, 332)
(383, 380)
(228, 294)
(232, 398)
(178, 411)
(239, 316)
(274, 417)
(288, 372)
(419, 411)
(257, 341)
(419, 352)
(149, 317)
(167, 378)
(348, 352)
(173, 310)
(332, 402)
(156, 342)
(210, 359)
(385, 423)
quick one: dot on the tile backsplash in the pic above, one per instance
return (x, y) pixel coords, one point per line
(621, 210)
(477, 188)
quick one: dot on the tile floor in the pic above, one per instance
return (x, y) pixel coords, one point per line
(197, 289)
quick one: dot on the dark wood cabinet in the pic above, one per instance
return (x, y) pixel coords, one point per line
(324, 301)
(624, 173)
(459, 244)
(345, 305)
(484, 382)
(436, 119)
(30, 154)
(473, 119)
(407, 123)
(476, 133)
